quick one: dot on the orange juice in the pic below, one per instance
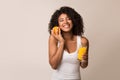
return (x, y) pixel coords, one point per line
(81, 52)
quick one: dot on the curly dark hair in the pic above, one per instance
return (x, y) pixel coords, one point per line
(73, 15)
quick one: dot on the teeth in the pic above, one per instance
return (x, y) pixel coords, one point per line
(66, 26)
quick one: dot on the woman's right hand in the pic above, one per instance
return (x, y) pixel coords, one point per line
(57, 35)
(55, 52)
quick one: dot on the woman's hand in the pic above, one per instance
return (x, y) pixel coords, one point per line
(85, 43)
(55, 51)
(57, 35)
(85, 56)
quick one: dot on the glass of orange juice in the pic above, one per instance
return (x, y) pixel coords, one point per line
(81, 52)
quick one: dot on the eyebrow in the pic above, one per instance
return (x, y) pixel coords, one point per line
(65, 17)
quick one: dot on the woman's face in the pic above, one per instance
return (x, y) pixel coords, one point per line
(65, 23)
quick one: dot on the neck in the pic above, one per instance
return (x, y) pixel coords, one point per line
(68, 36)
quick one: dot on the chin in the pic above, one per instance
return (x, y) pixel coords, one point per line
(66, 31)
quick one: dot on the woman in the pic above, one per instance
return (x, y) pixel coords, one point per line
(64, 45)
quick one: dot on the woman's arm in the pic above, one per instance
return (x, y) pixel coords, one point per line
(55, 51)
(85, 43)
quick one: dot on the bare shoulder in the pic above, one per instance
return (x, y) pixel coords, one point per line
(52, 39)
(84, 41)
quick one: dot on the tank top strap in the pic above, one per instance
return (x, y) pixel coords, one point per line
(78, 41)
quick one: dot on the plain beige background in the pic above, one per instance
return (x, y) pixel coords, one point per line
(24, 38)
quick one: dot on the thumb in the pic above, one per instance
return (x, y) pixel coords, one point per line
(59, 31)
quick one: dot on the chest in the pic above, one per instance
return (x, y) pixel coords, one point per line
(70, 58)
(70, 46)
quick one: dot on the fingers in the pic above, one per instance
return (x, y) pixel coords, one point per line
(85, 56)
(59, 30)
(57, 34)
(56, 31)
(52, 33)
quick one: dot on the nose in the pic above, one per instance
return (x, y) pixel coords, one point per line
(65, 21)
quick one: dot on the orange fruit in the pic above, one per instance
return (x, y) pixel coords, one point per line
(56, 29)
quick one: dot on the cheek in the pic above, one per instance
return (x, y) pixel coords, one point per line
(60, 27)
(60, 23)
(71, 23)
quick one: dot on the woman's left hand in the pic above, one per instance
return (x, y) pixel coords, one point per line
(85, 56)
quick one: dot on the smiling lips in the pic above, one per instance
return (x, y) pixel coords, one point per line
(66, 26)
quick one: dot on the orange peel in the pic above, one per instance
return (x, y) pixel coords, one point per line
(56, 30)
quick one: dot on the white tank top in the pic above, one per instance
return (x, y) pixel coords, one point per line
(69, 68)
